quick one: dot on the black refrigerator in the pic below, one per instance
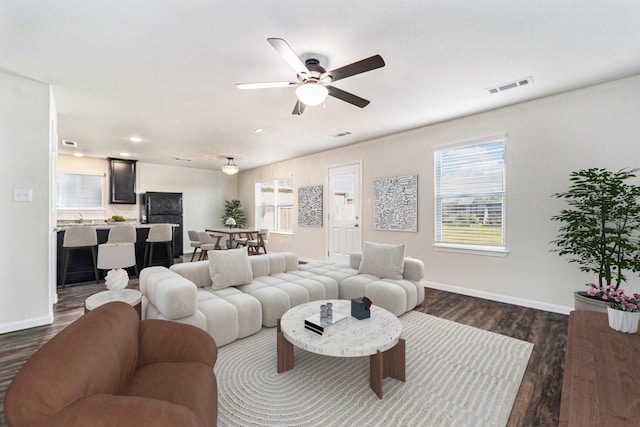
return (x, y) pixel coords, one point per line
(166, 208)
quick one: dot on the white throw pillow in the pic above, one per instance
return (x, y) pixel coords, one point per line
(229, 268)
(382, 260)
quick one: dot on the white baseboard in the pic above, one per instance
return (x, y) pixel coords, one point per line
(554, 308)
(26, 324)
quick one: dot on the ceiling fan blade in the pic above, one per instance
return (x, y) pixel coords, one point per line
(289, 55)
(359, 67)
(265, 85)
(347, 97)
(299, 108)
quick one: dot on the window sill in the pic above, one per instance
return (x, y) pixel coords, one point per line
(472, 250)
(282, 233)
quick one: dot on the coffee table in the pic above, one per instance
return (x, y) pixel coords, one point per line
(377, 337)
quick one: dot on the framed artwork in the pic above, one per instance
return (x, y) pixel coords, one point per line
(310, 206)
(396, 203)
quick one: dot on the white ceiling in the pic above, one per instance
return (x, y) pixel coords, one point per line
(164, 70)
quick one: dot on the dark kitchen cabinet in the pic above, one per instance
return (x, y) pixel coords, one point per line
(122, 181)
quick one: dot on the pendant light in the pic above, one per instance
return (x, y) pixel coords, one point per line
(230, 168)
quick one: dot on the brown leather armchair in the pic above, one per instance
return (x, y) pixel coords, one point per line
(108, 368)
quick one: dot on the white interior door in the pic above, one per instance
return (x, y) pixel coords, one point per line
(345, 211)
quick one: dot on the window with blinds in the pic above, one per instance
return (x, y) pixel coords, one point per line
(79, 191)
(274, 204)
(470, 195)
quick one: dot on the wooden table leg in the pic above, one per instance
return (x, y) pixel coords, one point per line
(285, 352)
(390, 363)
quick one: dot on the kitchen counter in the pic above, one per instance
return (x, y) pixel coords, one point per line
(63, 225)
(81, 264)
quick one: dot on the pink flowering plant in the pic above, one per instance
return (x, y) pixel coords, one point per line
(615, 297)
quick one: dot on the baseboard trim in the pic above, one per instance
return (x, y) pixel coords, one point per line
(26, 324)
(554, 308)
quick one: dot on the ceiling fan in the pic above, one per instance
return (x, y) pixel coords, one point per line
(314, 81)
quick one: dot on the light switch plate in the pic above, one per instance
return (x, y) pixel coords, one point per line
(22, 195)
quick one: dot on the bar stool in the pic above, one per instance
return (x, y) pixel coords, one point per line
(195, 242)
(158, 234)
(75, 239)
(123, 233)
(208, 242)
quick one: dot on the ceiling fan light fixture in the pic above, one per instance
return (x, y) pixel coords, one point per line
(312, 93)
(230, 168)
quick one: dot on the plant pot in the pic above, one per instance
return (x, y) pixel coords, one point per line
(623, 321)
(582, 301)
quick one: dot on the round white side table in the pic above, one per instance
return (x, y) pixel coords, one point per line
(130, 296)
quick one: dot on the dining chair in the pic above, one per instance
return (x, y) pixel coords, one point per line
(260, 241)
(195, 242)
(208, 242)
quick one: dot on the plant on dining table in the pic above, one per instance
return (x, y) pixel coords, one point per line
(615, 297)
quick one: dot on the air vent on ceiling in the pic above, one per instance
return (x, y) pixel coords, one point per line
(511, 85)
(341, 134)
(180, 159)
(67, 143)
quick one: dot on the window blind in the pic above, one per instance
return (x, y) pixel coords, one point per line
(78, 191)
(470, 191)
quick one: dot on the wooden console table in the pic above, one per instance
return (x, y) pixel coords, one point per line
(601, 383)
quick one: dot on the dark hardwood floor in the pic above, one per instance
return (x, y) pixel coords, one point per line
(537, 403)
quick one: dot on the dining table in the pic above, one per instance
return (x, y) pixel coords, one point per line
(233, 233)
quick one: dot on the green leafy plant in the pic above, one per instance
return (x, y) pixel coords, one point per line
(233, 209)
(600, 228)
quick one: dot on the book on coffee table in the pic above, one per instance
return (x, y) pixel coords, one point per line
(318, 325)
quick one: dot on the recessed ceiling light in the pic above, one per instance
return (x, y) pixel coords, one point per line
(123, 154)
(135, 139)
(67, 143)
(259, 130)
(78, 155)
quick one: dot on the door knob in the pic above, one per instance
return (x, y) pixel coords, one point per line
(356, 225)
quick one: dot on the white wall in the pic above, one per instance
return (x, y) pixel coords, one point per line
(25, 292)
(546, 140)
(204, 191)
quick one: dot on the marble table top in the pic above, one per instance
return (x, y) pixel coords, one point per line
(130, 296)
(347, 338)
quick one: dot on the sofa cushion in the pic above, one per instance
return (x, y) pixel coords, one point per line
(194, 271)
(229, 268)
(382, 260)
(187, 384)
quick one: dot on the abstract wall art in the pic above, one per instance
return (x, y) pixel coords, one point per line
(396, 203)
(310, 206)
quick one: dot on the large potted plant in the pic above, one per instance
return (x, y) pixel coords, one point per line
(233, 209)
(600, 230)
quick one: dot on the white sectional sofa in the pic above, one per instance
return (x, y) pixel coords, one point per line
(233, 295)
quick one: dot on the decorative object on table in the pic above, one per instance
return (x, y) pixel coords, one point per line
(396, 203)
(114, 257)
(233, 209)
(600, 229)
(230, 222)
(361, 308)
(623, 310)
(310, 206)
(319, 324)
(116, 218)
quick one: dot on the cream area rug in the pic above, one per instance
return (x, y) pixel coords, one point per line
(457, 375)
